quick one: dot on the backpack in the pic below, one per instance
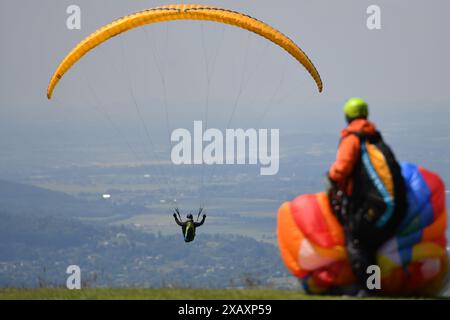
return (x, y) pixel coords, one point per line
(190, 231)
(378, 201)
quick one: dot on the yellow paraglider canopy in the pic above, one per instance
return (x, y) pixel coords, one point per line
(182, 12)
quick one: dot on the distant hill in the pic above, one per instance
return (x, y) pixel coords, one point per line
(26, 199)
(35, 252)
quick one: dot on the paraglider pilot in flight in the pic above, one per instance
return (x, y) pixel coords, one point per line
(188, 227)
(366, 188)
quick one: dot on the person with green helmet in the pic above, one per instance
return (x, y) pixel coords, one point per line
(356, 112)
(366, 188)
(356, 108)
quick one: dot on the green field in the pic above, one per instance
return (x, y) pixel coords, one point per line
(153, 294)
(163, 294)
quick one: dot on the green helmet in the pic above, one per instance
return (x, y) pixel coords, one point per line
(356, 108)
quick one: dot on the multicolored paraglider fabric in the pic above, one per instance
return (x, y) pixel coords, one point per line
(414, 262)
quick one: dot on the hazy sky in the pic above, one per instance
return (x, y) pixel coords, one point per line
(406, 61)
(404, 66)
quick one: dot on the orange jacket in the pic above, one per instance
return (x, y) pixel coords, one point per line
(348, 153)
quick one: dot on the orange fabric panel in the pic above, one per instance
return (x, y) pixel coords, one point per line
(379, 163)
(289, 239)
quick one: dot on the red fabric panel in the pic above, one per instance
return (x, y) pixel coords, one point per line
(437, 189)
(309, 218)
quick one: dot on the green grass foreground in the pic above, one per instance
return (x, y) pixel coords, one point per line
(167, 294)
(152, 294)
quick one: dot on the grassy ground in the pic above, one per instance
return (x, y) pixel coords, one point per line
(162, 294)
(152, 294)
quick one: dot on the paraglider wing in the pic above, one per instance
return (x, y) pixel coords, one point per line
(181, 12)
(413, 262)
